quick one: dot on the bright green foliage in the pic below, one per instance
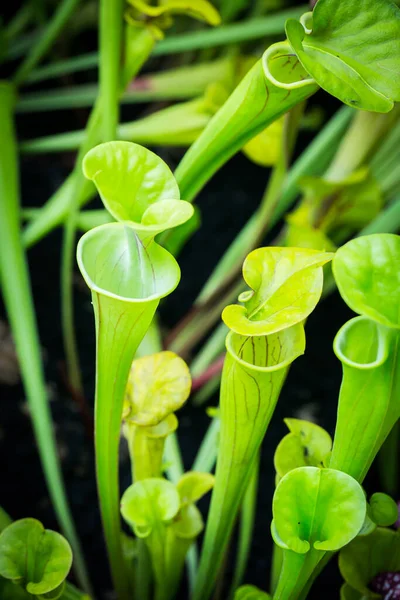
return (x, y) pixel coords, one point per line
(367, 556)
(135, 185)
(286, 284)
(327, 515)
(158, 385)
(352, 50)
(368, 277)
(146, 504)
(166, 517)
(250, 592)
(307, 444)
(367, 273)
(37, 559)
(192, 486)
(128, 273)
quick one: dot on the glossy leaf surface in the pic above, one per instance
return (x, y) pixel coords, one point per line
(367, 273)
(327, 515)
(158, 385)
(286, 284)
(307, 444)
(136, 185)
(34, 557)
(352, 51)
(368, 401)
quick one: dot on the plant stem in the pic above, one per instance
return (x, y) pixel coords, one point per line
(19, 304)
(5, 520)
(207, 453)
(246, 528)
(296, 571)
(46, 39)
(388, 459)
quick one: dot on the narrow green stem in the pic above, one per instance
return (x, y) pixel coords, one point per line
(19, 304)
(143, 572)
(246, 528)
(296, 571)
(5, 519)
(207, 453)
(46, 39)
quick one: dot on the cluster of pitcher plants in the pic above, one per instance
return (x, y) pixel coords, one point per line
(341, 234)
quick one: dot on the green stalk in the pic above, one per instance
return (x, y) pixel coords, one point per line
(368, 402)
(46, 39)
(179, 83)
(19, 304)
(251, 382)
(207, 453)
(296, 571)
(253, 105)
(64, 67)
(5, 519)
(246, 528)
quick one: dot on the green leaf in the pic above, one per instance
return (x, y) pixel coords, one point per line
(327, 515)
(136, 185)
(198, 9)
(250, 592)
(368, 402)
(36, 558)
(353, 51)
(145, 504)
(10, 591)
(384, 509)
(367, 273)
(265, 148)
(158, 385)
(194, 485)
(286, 284)
(367, 556)
(307, 444)
(109, 255)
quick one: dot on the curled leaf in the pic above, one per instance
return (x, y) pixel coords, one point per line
(367, 273)
(148, 503)
(352, 51)
(327, 515)
(158, 385)
(34, 557)
(194, 485)
(136, 185)
(283, 68)
(286, 284)
(307, 444)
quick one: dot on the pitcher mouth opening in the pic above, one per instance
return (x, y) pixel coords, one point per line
(373, 349)
(267, 353)
(115, 263)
